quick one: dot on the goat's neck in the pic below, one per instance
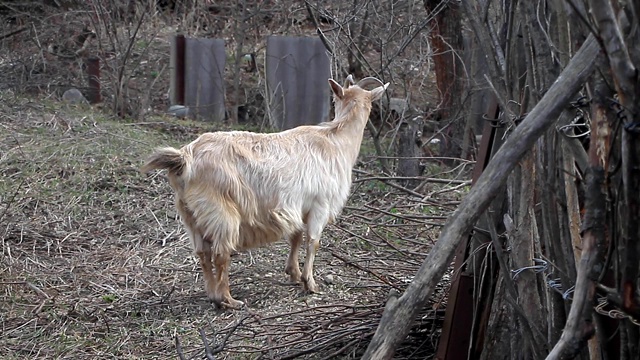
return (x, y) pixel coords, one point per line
(351, 129)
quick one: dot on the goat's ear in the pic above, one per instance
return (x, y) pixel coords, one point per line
(377, 92)
(336, 88)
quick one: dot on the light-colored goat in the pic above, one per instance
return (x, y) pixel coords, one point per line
(237, 190)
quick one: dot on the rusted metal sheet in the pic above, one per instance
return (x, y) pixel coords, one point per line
(204, 78)
(457, 337)
(456, 330)
(297, 72)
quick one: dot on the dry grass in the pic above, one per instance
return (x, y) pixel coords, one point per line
(94, 263)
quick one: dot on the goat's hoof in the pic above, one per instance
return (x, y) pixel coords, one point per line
(228, 303)
(294, 276)
(311, 287)
(224, 301)
(294, 279)
(233, 304)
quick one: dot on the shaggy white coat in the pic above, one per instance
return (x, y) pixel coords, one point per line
(237, 190)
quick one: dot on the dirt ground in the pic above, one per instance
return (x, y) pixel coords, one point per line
(95, 264)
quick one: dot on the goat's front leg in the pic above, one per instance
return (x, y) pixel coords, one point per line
(292, 267)
(307, 271)
(222, 295)
(315, 226)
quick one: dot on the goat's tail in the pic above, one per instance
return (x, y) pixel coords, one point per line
(166, 158)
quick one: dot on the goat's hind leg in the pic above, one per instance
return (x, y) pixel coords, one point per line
(207, 270)
(202, 248)
(222, 294)
(292, 267)
(200, 245)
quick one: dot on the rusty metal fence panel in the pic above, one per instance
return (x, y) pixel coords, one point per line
(297, 72)
(204, 78)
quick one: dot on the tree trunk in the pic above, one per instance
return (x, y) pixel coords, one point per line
(446, 41)
(409, 153)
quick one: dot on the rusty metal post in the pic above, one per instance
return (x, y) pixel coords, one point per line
(457, 331)
(177, 60)
(93, 79)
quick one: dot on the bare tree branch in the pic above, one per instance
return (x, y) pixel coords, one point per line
(533, 334)
(579, 326)
(497, 71)
(624, 72)
(627, 82)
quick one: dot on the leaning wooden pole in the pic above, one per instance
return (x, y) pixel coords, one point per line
(400, 313)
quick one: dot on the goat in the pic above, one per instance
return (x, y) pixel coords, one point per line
(237, 190)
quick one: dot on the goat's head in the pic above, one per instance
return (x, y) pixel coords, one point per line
(345, 97)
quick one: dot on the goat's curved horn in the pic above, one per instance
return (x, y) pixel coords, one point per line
(369, 81)
(349, 81)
